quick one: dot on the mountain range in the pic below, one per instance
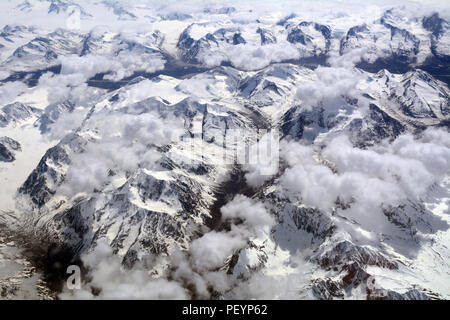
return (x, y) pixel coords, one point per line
(128, 137)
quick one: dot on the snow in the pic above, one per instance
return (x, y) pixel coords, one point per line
(37, 98)
(171, 31)
(14, 174)
(430, 269)
(199, 167)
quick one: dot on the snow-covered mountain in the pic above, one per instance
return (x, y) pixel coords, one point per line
(133, 142)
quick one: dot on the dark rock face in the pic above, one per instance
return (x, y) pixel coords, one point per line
(237, 39)
(8, 148)
(404, 45)
(312, 221)
(438, 27)
(435, 24)
(379, 126)
(5, 154)
(267, 37)
(407, 37)
(350, 261)
(176, 16)
(295, 121)
(412, 294)
(327, 289)
(43, 51)
(345, 252)
(407, 109)
(298, 35)
(191, 48)
(356, 30)
(36, 186)
(223, 10)
(356, 275)
(413, 105)
(57, 6)
(414, 217)
(15, 113)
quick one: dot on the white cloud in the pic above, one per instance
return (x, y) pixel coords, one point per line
(383, 175)
(253, 213)
(251, 57)
(10, 91)
(66, 123)
(332, 83)
(117, 283)
(197, 268)
(122, 65)
(63, 87)
(351, 58)
(211, 250)
(123, 143)
(88, 66)
(263, 161)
